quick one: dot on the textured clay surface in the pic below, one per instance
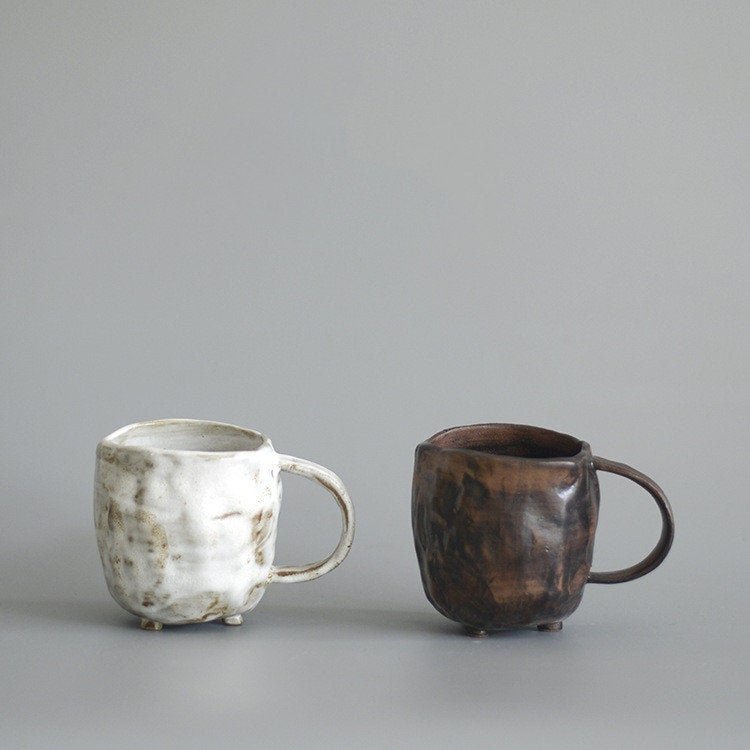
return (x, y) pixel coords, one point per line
(503, 541)
(186, 537)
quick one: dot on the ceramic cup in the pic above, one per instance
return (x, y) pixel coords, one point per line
(186, 514)
(504, 519)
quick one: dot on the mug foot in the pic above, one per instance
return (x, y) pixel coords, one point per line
(232, 620)
(475, 632)
(147, 624)
(550, 627)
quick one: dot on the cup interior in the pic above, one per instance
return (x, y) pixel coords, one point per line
(187, 435)
(518, 441)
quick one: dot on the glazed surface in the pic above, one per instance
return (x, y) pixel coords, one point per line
(186, 537)
(503, 541)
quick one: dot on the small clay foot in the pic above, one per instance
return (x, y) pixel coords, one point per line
(550, 627)
(232, 620)
(475, 632)
(147, 624)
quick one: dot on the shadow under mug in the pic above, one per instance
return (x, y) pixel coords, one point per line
(504, 518)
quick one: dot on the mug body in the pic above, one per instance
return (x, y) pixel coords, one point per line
(186, 515)
(504, 519)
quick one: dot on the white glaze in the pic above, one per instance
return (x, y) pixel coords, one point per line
(186, 514)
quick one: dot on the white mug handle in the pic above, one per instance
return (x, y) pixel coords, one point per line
(329, 480)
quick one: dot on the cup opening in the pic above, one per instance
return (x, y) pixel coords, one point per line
(187, 435)
(517, 441)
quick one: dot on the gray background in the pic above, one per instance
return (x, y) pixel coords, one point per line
(350, 225)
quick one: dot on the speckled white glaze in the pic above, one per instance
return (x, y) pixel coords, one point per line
(186, 513)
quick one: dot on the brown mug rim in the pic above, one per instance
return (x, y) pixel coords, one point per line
(526, 434)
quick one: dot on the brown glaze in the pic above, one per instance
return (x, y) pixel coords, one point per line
(504, 518)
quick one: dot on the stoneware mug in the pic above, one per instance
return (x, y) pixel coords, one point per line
(186, 513)
(504, 519)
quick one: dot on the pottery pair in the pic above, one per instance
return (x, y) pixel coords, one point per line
(504, 516)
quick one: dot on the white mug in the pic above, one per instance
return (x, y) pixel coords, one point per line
(186, 513)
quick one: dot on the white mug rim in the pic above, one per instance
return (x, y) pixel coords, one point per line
(112, 440)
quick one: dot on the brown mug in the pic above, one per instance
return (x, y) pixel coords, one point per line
(504, 518)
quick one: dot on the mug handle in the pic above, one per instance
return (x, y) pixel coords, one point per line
(329, 480)
(658, 553)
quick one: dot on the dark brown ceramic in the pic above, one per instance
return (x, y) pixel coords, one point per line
(504, 519)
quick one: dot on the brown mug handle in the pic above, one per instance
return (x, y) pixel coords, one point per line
(658, 553)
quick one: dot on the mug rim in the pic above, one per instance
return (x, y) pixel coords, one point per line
(111, 440)
(582, 448)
